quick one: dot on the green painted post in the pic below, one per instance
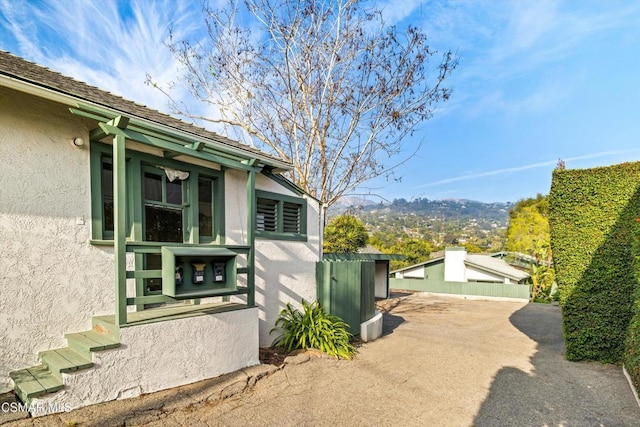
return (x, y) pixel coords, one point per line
(251, 238)
(119, 226)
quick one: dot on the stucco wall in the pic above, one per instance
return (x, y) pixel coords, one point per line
(285, 270)
(193, 349)
(412, 273)
(479, 275)
(454, 268)
(52, 280)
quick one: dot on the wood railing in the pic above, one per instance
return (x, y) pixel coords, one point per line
(143, 299)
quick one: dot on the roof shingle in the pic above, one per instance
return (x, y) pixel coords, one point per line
(23, 70)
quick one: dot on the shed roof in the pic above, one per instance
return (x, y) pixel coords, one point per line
(21, 74)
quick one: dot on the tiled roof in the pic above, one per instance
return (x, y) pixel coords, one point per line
(23, 70)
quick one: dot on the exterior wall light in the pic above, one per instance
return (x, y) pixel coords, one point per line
(77, 142)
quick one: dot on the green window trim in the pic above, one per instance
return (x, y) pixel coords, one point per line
(280, 217)
(138, 164)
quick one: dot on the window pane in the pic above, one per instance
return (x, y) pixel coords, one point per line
(266, 215)
(291, 218)
(107, 195)
(163, 224)
(152, 187)
(174, 192)
(205, 207)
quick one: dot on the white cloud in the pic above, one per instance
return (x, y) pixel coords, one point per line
(395, 11)
(98, 43)
(516, 42)
(521, 168)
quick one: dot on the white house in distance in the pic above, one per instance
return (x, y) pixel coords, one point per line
(459, 266)
(139, 252)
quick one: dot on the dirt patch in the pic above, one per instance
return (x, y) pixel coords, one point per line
(272, 356)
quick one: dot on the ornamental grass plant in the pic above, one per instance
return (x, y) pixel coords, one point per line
(313, 328)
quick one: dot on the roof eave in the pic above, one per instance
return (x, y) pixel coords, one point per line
(490, 270)
(44, 92)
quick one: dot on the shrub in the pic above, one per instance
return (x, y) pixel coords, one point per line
(632, 344)
(313, 328)
(592, 216)
(345, 234)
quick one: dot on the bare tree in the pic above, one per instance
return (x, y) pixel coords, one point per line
(324, 84)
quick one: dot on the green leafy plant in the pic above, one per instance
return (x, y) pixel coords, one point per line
(313, 328)
(345, 234)
(594, 233)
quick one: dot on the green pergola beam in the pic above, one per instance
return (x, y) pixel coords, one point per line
(119, 227)
(183, 137)
(251, 238)
(108, 129)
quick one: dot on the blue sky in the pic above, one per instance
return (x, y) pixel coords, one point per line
(538, 80)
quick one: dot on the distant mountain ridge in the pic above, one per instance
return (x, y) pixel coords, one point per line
(441, 222)
(442, 209)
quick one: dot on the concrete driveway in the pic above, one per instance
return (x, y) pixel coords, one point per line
(443, 361)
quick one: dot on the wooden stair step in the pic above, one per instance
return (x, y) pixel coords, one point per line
(64, 360)
(105, 325)
(46, 378)
(35, 381)
(90, 341)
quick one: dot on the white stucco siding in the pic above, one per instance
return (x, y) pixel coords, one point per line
(162, 355)
(474, 275)
(454, 268)
(52, 279)
(412, 273)
(285, 270)
(235, 205)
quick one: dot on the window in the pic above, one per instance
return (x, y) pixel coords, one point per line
(107, 196)
(163, 207)
(159, 209)
(205, 208)
(280, 217)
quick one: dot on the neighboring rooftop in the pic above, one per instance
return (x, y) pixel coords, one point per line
(489, 263)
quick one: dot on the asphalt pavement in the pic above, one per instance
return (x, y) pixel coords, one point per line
(442, 361)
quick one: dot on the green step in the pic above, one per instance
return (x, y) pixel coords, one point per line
(106, 325)
(34, 381)
(64, 360)
(89, 341)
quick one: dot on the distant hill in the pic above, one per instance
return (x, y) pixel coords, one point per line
(442, 222)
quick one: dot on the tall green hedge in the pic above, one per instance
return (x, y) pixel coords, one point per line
(593, 221)
(632, 345)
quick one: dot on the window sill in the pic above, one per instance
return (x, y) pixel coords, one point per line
(100, 242)
(280, 236)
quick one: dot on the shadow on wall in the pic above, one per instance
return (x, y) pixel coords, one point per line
(557, 392)
(277, 274)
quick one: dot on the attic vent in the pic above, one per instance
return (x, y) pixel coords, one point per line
(267, 215)
(291, 217)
